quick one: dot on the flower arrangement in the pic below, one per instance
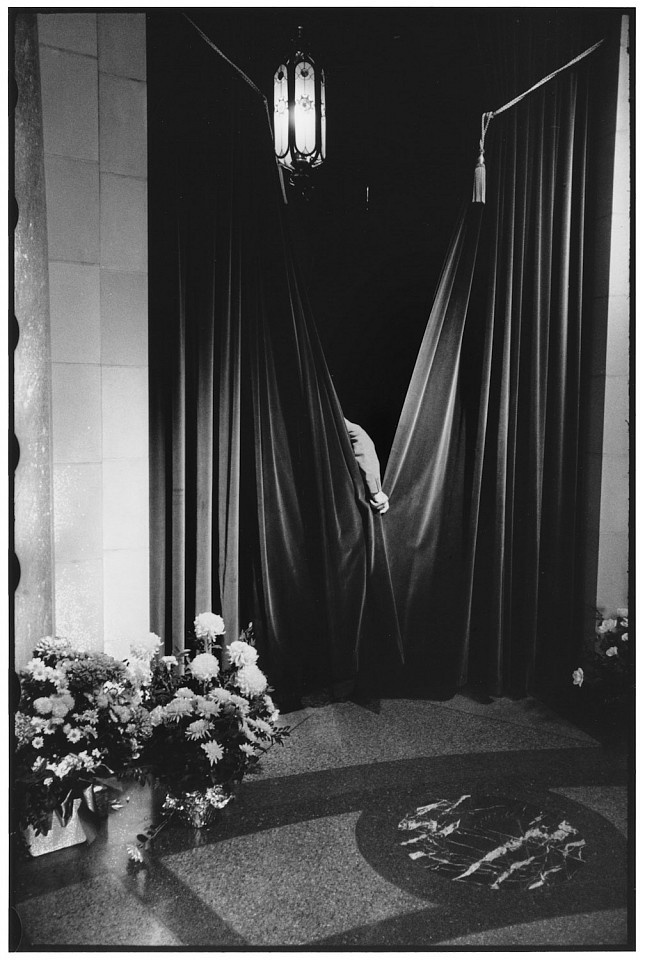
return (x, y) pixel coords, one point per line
(80, 717)
(609, 673)
(211, 713)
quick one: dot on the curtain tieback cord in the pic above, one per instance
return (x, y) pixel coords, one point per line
(479, 183)
(248, 80)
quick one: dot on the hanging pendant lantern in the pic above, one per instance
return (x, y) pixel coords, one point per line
(299, 122)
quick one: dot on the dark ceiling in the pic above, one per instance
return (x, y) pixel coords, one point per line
(406, 88)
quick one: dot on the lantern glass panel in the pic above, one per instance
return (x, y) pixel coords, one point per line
(281, 111)
(323, 118)
(305, 108)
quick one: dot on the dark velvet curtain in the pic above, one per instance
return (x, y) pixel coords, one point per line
(484, 474)
(257, 505)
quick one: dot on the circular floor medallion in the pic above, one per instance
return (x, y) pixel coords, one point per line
(492, 841)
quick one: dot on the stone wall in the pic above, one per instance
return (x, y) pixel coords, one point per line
(93, 81)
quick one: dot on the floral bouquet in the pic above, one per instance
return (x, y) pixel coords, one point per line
(609, 674)
(212, 718)
(80, 718)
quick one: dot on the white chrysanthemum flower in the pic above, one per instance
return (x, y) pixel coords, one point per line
(59, 679)
(156, 716)
(208, 707)
(197, 730)
(62, 705)
(86, 760)
(74, 735)
(38, 743)
(612, 652)
(139, 671)
(204, 667)
(251, 680)
(169, 661)
(248, 733)
(606, 626)
(66, 765)
(213, 751)
(180, 707)
(58, 646)
(269, 704)
(208, 626)
(43, 705)
(88, 716)
(122, 713)
(241, 653)
(262, 727)
(39, 669)
(578, 677)
(248, 749)
(240, 704)
(185, 692)
(220, 694)
(145, 647)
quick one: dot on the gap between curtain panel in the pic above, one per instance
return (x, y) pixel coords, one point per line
(485, 520)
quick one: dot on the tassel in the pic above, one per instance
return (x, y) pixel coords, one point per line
(479, 183)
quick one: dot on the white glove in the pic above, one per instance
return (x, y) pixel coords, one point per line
(380, 502)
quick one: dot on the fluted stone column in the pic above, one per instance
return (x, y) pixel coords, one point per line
(33, 534)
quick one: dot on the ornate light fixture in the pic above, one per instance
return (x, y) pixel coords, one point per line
(299, 122)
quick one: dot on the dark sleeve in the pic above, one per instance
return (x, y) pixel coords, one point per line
(365, 453)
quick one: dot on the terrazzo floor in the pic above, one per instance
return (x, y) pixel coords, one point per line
(308, 856)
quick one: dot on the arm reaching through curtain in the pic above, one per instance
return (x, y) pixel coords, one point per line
(367, 459)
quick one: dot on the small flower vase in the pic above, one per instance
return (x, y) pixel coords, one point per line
(58, 837)
(197, 808)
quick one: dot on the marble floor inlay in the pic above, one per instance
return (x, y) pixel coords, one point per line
(492, 841)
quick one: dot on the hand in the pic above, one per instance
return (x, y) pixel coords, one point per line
(380, 502)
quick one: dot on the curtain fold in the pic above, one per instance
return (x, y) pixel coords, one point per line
(242, 407)
(484, 543)
(480, 547)
(425, 474)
